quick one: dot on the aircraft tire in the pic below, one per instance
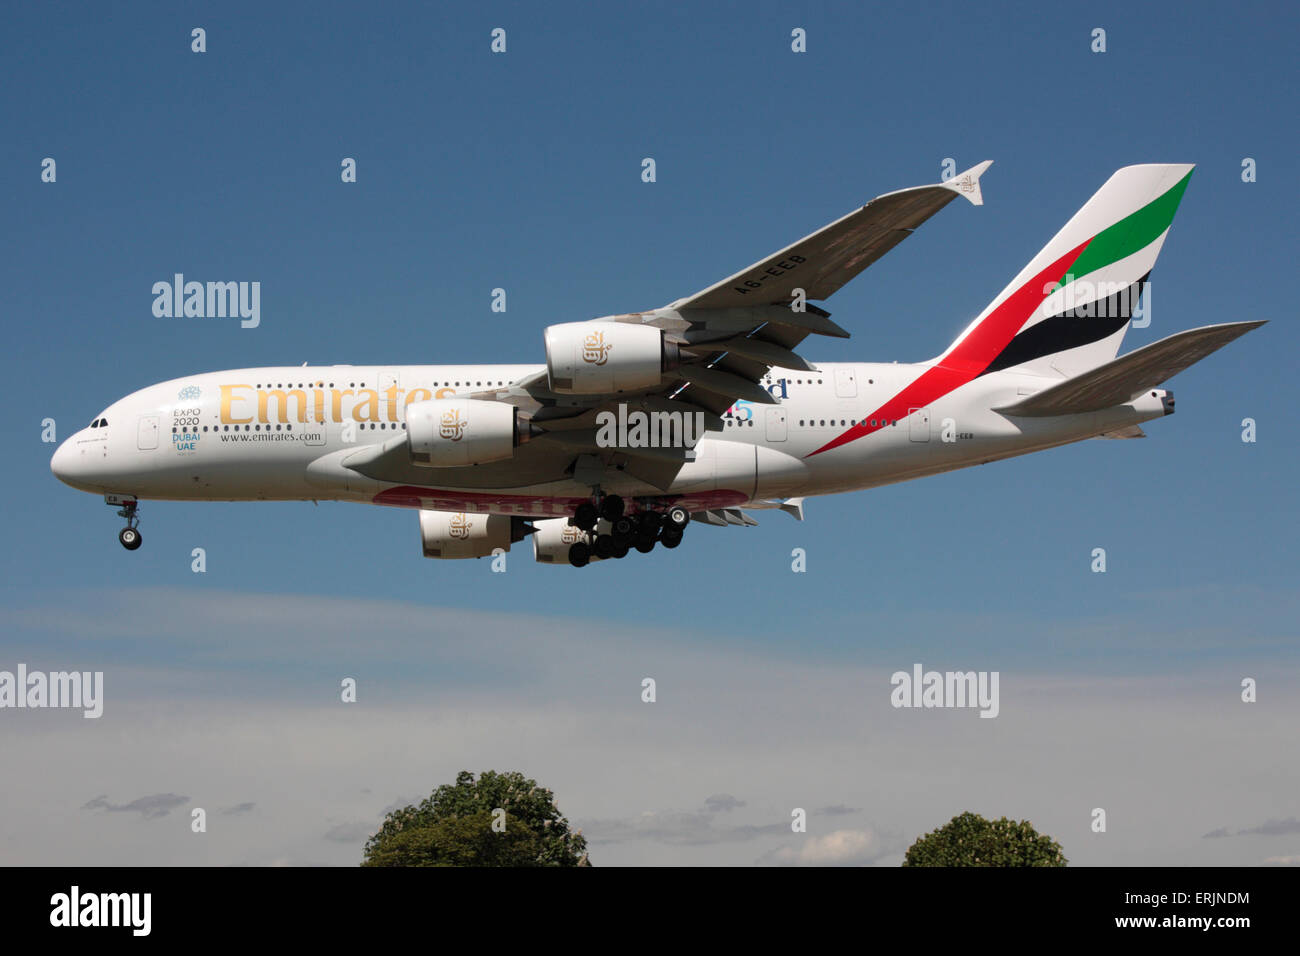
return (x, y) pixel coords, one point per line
(586, 516)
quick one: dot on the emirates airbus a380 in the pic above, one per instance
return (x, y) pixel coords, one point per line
(639, 423)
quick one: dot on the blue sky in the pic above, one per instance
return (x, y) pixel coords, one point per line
(522, 171)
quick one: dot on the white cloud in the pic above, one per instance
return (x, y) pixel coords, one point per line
(840, 848)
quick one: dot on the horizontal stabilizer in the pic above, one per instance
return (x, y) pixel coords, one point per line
(1123, 379)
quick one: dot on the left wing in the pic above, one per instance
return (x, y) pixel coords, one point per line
(822, 262)
(730, 334)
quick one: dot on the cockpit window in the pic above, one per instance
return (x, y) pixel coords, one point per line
(103, 423)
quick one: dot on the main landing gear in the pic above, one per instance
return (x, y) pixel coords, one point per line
(130, 535)
(622, 532)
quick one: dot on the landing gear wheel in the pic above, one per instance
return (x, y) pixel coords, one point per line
(585, 516)
(620, 548)
(670, 540)
(651, 522)
(623, 528)
(579, 555)
(678, 516)
(645, 543)
(130, 535)
(604, 547)
(611, 508)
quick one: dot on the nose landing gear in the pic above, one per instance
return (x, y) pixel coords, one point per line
(130, 535)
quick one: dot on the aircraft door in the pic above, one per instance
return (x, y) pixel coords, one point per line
(846, 382)
(146, 436)
(776, 424)
(918, 424)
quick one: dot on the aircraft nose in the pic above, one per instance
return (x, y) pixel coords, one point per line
(64, 460)
(73, 463)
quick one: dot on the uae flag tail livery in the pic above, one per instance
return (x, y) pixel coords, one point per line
(1067, 311)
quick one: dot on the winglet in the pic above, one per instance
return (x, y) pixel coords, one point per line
(968, 183)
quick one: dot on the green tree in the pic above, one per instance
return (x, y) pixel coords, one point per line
(970, 840)
(453, 826)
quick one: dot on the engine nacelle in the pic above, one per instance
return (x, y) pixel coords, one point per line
(448, 432)
(458, 534)
(589, 358)
(553, 538)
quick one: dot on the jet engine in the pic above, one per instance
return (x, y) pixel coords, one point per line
(458, 534)
(553, 539)
(590, 358)
(447, 432)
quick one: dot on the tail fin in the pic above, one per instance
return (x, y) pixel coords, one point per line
(1067, 310)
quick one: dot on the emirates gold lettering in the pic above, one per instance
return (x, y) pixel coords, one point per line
(281, 398)
(243, 404)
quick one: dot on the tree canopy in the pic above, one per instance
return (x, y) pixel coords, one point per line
(971, 840)
(499, 819)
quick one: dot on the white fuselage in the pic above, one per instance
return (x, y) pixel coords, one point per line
(284, 433)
